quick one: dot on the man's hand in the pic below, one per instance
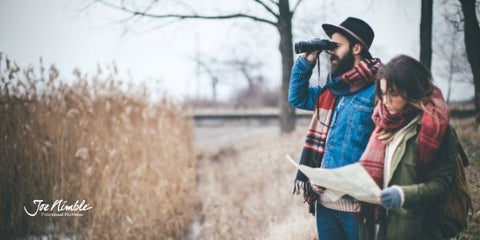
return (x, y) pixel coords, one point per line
(311, 56)
(317, 188)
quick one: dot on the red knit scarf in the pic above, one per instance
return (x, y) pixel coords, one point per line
(434, 124)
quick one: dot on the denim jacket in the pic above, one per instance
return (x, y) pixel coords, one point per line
(351, 124)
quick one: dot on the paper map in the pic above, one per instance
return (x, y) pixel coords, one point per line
(352, 179)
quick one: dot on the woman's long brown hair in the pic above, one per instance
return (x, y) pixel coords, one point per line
(411, 80)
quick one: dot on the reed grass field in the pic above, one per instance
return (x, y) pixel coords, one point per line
(146, 169)
(131, 160)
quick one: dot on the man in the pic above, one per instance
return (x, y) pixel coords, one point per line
(341, 123)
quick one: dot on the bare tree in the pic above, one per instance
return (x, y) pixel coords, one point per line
(450, 54)
(426, 33)
(247, 68)
(472, 40)
(203, 66)
(255, 94)
(280, 16)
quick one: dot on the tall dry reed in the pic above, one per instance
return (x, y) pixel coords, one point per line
(95, 140)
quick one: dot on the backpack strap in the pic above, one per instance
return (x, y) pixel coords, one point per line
(461, 151)
(463, 155)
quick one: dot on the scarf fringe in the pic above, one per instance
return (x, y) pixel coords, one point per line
(309, 196)
(297, 186)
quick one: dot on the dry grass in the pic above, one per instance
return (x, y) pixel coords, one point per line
(91, 140)
(245, 183)
(469, 133)
(245, 188)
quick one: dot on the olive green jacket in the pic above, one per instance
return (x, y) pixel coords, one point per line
(424, 194)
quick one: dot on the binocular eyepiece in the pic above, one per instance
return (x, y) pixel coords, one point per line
(314, 45)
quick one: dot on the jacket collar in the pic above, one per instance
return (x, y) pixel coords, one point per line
(405, 134)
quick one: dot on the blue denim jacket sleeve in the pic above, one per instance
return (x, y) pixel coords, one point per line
(300, 95)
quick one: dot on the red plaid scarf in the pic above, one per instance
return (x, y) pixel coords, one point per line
(357, 78)
(430, 137)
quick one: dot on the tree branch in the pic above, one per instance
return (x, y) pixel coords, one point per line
(274, 2)
(296, 6)
(132, 17)
(186, 16)
(267, 7)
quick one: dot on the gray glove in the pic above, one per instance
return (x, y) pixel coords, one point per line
(391, 197)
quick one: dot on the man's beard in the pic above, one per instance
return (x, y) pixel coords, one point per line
(343, 65)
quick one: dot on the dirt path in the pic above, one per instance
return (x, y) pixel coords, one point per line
(245, 184)
(214, 138)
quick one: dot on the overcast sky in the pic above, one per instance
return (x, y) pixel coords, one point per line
(63, 34)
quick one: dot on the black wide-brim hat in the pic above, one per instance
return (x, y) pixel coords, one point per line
(355, 28)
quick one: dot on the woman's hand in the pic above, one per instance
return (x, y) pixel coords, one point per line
(391, 197)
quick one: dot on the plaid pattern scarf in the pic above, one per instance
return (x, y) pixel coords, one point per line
(434, 124)
(357, 78)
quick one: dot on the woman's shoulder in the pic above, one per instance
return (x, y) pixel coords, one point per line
(448, 149)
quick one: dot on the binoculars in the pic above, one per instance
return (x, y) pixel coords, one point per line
(314, 45)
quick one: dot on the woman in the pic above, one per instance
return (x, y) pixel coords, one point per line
(411, 153)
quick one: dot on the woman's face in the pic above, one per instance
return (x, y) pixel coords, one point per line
(393, 101)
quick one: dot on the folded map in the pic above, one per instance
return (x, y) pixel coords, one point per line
(351, 179)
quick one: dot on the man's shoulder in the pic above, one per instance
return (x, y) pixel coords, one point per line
(367, 92)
